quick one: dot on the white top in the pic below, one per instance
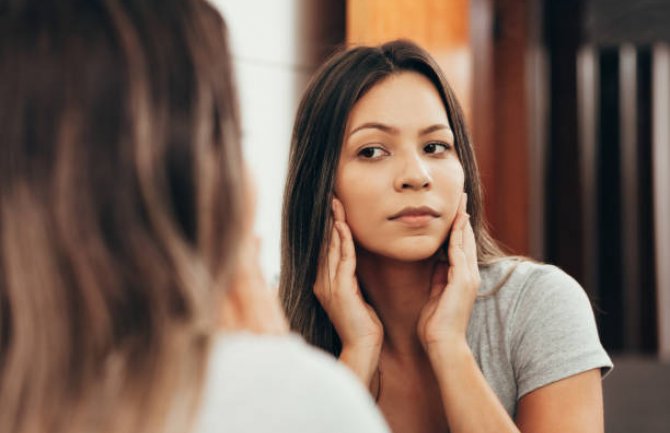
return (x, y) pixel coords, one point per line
(278, 384)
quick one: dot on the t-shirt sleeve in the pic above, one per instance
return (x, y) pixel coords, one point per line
(553, 332)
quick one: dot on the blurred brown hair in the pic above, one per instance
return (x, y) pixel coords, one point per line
(120, 204)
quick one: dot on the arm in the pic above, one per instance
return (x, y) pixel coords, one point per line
(573, 402)
(337, 290)
(558, 356)
(469, 403)
(546, 409)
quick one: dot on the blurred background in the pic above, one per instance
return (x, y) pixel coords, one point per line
(569, 107)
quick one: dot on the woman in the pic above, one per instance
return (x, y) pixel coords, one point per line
(387, 263)
(125, 236)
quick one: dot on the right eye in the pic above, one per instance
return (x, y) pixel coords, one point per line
(372, 152)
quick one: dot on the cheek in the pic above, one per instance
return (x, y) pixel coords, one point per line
(450, 180)
(360, 194)
(450, 185)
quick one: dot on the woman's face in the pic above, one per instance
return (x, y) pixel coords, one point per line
(399, 176)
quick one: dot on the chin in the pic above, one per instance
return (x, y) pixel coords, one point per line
(412, 249)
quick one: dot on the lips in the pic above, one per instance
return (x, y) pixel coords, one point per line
(415, 217)
(416, 212)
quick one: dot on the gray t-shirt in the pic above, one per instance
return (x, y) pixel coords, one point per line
(278, 384)
(537, 329)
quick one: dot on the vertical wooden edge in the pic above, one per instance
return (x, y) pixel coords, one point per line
(629, 195)
(661, 186)
(537, 87)
(481, 41)
(587, 124)
(511, 126)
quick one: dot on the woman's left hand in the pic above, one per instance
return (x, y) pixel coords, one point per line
(444, 319)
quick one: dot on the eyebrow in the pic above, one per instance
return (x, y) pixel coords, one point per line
(391, 130)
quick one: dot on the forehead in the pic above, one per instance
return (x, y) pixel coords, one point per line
(406, 100)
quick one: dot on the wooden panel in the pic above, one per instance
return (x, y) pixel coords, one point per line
(564, 225)
(483, 101)
(588, 99)
(630, 205)
(616, 22)
(501, 91)
(647, 265)
(434, 24)
(440, 26)
(661, 169)
(510, 203)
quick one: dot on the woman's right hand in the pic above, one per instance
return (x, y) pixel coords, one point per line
(336, 287)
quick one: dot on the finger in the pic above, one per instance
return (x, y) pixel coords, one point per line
(333, 254)
(325, 248)
(470, 247)
(456, 236)
(463, 208)
(457, 259)
(347, 264)
(468, 235)
(327, 265)
(338, 210)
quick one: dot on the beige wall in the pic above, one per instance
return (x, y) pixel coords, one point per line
(276, 45)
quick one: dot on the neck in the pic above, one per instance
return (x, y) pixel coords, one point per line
(397, 291)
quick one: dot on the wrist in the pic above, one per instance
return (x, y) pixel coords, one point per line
(361, 360)
(451, 352)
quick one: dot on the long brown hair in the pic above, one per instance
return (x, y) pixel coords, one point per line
(120, 203)
(315, 149)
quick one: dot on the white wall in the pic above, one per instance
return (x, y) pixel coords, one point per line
(276, 45)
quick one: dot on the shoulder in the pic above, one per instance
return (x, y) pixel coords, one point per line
(279, 383)
(536, 304)
(517, 280)
(520, 271)
(279, 359)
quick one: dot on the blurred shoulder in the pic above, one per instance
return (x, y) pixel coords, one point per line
(279, 383)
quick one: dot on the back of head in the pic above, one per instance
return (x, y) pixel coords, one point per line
(120, 197)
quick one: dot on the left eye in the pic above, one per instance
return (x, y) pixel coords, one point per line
(372, 152)
(435, 148)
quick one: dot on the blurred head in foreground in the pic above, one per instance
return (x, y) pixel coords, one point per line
(120, 210)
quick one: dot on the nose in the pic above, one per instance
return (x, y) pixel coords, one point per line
(414, 175)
